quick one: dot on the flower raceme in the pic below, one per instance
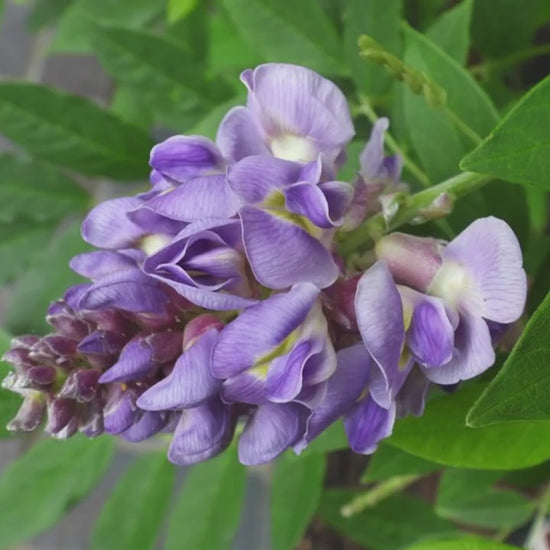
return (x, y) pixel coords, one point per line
(218, 306)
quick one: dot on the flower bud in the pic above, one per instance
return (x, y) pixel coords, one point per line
(60, 413)
(413, 261)
(30, 414)
(198, 326)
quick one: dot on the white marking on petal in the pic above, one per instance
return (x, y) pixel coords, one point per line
(294, 148)
(453, 284)
(153, 243)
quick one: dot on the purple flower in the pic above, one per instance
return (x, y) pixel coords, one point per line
(205, 424)
(292, 113)
(289, 212)
(378, 180)
(190, 176)
(205, 264)
(365, 421)
(277, 356)
(477, 278)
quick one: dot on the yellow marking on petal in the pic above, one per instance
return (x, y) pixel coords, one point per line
(450, 283)
(404, 359)
(275, 205)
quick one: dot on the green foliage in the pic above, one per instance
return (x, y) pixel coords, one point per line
(207, 513)
(55, 197)
(72, 132)
(285, 30)
(520, 389)
(518, 149)
(36, 489)
(467, 496)
(177, 9)
(393, 524)
(45, 282)
(435, 135)
(441, 435)
(134, 512)
(77, 25)
(298, 481)
(461, 544)
(451, 31)
(381, 20)
(388, 462)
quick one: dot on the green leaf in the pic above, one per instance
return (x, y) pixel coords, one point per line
(46, 12)
(46, 281)
(208, 512)
(520, 390)
(442, 436)
(229, 52)
(451, 31)
(36, 191)
(462, 544)
(380, 19)
(71, 131)
(391, 525)
(298, 481)
(466, 496)
(389, 462)
(145, 489)
(518, 149)
(36, 489)
(19, 244)
(288, 31)
(437, 141)
(177, 9)
(158, 68)
(500, 29)
(77, 24)
(130, 106)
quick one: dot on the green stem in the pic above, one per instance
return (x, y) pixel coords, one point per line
(462, 126)
(378, 493)
(535, 51)
(364, 236)
(365, 108)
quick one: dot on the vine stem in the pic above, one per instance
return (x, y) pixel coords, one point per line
(365, 235)
(378, 493)
(365, 108)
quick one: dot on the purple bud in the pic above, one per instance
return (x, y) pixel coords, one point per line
(413, 261)
(60, 413)
(24, 342)
(110, 320)
(81, 385)
(101, 342)
(68, 430)
(60, 345)
(165, 346)
(63, 318)
(120, 410)
(30, 415)
(91, 419)
(198, 326)
(42, 375)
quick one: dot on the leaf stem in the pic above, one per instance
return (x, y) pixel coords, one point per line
(535, 51)
(378, 493)
(364, 107)
(462, 126)
(364, 236)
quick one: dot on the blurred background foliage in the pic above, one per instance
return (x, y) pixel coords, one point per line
(174, 67)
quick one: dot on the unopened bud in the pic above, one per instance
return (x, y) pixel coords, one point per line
(198, 326)
(30, 415)
(413, 261)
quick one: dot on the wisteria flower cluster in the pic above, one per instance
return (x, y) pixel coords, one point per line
(217, 302)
